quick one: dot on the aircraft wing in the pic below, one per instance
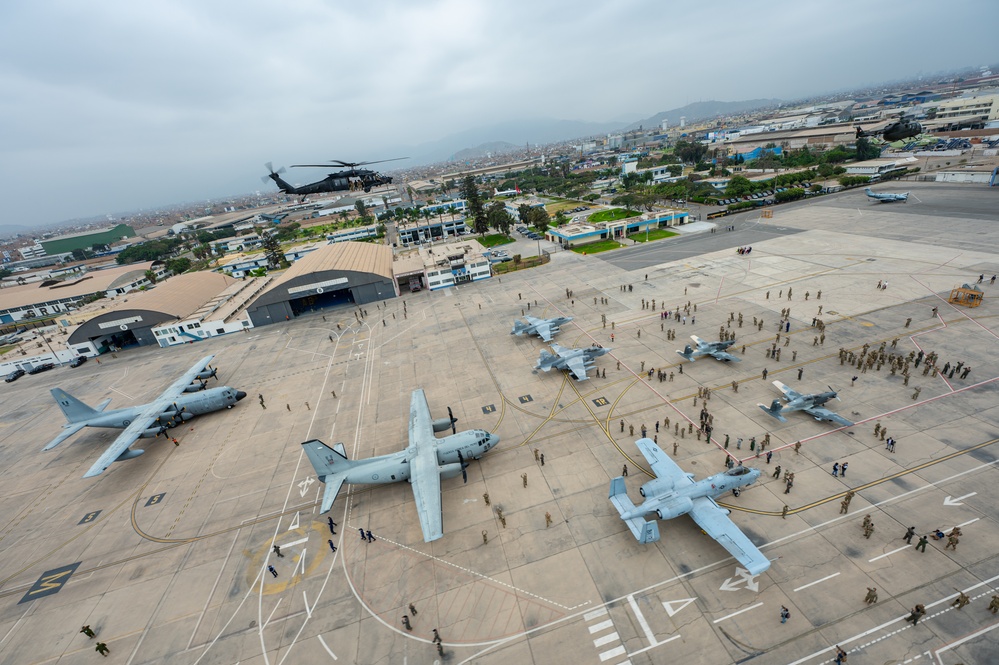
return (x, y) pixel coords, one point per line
(825, 414)
(145, 418)
(789, 392)
(716, 523)
(559, 350)
(725, 355)
(425, 479)
(424, 472)
(543, 329)
(577, 365)
(662, 465)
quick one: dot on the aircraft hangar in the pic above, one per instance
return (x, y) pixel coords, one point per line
(130, 319)
(337, 274)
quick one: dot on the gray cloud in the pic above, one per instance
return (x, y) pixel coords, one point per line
(115, 105)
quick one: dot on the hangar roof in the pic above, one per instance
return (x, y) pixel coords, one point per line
(356, 256)
(74, 287)
(178, 296)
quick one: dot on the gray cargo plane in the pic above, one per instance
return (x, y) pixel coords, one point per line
(715, 349)
(673, 493)
(577, 361)
(171, 408)
(810, 404)
(543, 328)
(886, 197)
(423, 463)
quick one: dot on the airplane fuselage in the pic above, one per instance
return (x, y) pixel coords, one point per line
(808, 401)
(194, 404)
(668, 503)
(395, 467)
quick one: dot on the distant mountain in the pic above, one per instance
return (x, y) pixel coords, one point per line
(703, 111)
(491, 148)
(535, 131)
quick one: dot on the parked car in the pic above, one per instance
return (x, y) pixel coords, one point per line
(15, 375)
(43, 367)
(77, 361)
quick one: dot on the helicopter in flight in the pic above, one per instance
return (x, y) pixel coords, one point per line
(351, 180)
(903, 128)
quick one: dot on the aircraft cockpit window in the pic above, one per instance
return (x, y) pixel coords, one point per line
(737, 471)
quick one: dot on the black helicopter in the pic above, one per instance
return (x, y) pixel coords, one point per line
(903, 128)
(351, 180)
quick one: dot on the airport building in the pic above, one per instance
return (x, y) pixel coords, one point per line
(67, 243)
(335, 274)
(579, 233)
(454, 263)
(185, 308)
(417, 232)
(48, 297)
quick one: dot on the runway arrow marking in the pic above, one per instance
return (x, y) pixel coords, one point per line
(674, 606)
(949, 501)
(742, 575)
(294, 523)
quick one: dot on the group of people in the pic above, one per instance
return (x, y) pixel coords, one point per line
(744, 250)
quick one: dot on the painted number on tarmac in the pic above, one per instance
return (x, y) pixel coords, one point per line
(51, 581)
(154, 499)
(524, 399)
(489, 408)
(89, 517)
(601, 401)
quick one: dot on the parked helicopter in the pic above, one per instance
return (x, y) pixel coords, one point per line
(351, 180)
(903, 128)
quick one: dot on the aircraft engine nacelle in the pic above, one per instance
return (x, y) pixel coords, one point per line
(128, 454)
(450, 470)
(442, 424)
(150, 433)
(674, 508)
(194, 387)
(655, 488)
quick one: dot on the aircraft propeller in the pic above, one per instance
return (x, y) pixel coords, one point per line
(464, 474)
(270, 167)
(450, 415)
(349, 165)
(833, 391)
(214, 372)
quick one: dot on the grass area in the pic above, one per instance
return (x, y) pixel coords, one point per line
(597, 247)
(654, 234)
(494, 240)
(554, 208)
(526, 262)
(612, 215)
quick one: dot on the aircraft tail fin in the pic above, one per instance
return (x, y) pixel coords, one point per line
(545, 361)
(331, 465)
(644, 532)
(74, 410)
(687, 353)
(774, 410)
(518, 328)
(103, 405)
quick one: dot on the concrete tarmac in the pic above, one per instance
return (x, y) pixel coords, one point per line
(165, 556)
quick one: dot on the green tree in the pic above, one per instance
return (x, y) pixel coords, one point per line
(499, 218)
(178, 266)
(738, 186)
(524, 213)
(272, 249)
(539, 218)
(151, 276)
(470, 192)
(361, 208)
(867, 150)
(80, 254)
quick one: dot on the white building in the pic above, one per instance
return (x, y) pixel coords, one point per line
(33, 252)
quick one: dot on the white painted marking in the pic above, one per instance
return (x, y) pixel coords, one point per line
(965, 639)
(303, 486)
(653, 646)
(294, 522)
(674, 606)
(610, 637)
(599, 612)
(271, 615)
(905, 547)
(743, 576)
(308, 610)
(641, 619)
(607, 655)
(956, 501)
(729, 616)
(969, 522)
(295, 542)
(321, 641)
(603, 625)
(827, 577)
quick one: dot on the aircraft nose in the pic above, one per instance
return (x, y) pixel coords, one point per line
(240, 395)
(493, 440)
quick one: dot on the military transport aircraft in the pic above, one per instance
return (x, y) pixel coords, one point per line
(543, 328)
(171, 408)
(810, 404)
(886, 197)
(423, 463)
(577, 361)
(715, 349)
(673, 493)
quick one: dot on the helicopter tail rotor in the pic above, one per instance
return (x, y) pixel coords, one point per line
(272, 172)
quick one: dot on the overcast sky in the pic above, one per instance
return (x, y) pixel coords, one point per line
(113, 106)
